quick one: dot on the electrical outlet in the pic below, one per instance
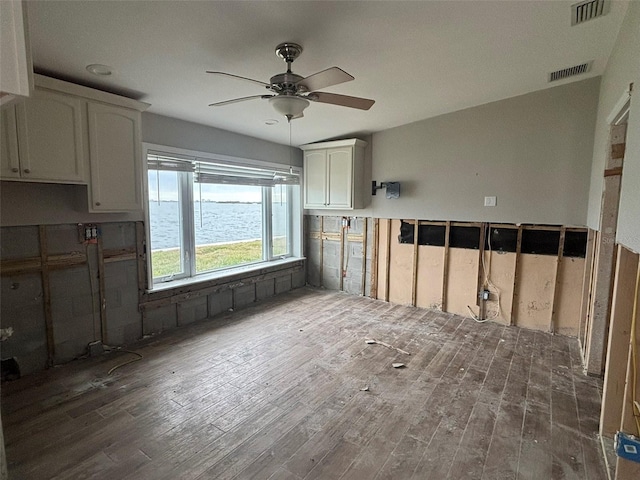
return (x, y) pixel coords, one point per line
(490, 201)
(88, 233)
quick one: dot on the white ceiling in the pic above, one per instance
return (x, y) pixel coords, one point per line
(417, 59)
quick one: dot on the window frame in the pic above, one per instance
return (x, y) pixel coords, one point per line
(186, 181)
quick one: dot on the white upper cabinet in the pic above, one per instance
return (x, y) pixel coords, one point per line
(114, 154)
(16, 69)
(67, 133)
(9, 159)
(334, 175)
(49, 126)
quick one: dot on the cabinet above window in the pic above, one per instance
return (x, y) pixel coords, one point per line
(334, 175)
(67, 133)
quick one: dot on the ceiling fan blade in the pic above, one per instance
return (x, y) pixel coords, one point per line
(236, 100)
(343, 100)
(240, 78)
(325, 78)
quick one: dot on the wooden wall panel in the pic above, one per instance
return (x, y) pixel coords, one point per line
(400, 268)
(626, 469)
(569, 301)
(503, 265)
(462, 282)
(429, 286)
(618, 347)
(535, 291)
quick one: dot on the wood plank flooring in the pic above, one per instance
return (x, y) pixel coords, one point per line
(279, 391)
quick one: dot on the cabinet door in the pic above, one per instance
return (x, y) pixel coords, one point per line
(315, 179)
(340, 168)
(9, 162)
(114, 155)
(50, 137)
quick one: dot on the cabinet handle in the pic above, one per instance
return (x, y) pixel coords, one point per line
(27, 170)
(97, 204)
(15, 169)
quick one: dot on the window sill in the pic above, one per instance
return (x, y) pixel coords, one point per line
(222, 276)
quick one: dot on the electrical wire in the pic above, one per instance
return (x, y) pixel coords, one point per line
(487, 280)
(634, 353)
(131, 360)
(475, 317)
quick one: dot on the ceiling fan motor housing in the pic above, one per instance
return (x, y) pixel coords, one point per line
(285, 83)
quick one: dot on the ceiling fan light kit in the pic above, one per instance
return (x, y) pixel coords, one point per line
(292, 93)
(289, 105)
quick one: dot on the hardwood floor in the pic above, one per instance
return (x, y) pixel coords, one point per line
(278, 391)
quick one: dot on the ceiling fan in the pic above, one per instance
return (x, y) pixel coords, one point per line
(291, 93)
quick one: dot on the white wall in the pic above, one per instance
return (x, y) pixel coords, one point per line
(622, 69)
(533, 152)
(192, 136)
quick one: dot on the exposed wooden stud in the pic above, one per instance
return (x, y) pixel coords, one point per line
(364, 255)
(142, 259)
(592, 287)
(481, 273)
(619, 336)
(554, 300)
(20, 265)
(414, 283)
(102, 295)
(46, 295)
(611, 172)
(120, 257)
(445, 266)
(428, 222)
(586, 286)
(388, 262)
(335, 236)
(466, 224)
(321, 266)
(342, 270)
(374, 258)
(67, 260)
(626, 469)
(516, 272)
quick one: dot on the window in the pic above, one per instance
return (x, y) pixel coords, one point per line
(208, 215)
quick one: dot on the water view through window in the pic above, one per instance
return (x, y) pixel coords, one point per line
(227, 224)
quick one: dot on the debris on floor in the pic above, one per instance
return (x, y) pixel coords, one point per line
(398, 365)
(372, 341)
(365, 389)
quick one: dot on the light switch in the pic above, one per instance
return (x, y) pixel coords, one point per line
(490, 201)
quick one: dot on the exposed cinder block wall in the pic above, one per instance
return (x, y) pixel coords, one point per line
(326, 259)
(75, 294)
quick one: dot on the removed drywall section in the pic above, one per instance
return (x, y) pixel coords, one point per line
(542, 291)
(22, 309)
(400, 267)
(339, 253)
(59, 293)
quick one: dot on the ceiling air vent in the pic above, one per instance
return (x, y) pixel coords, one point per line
(569, 72)
(588, 10)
